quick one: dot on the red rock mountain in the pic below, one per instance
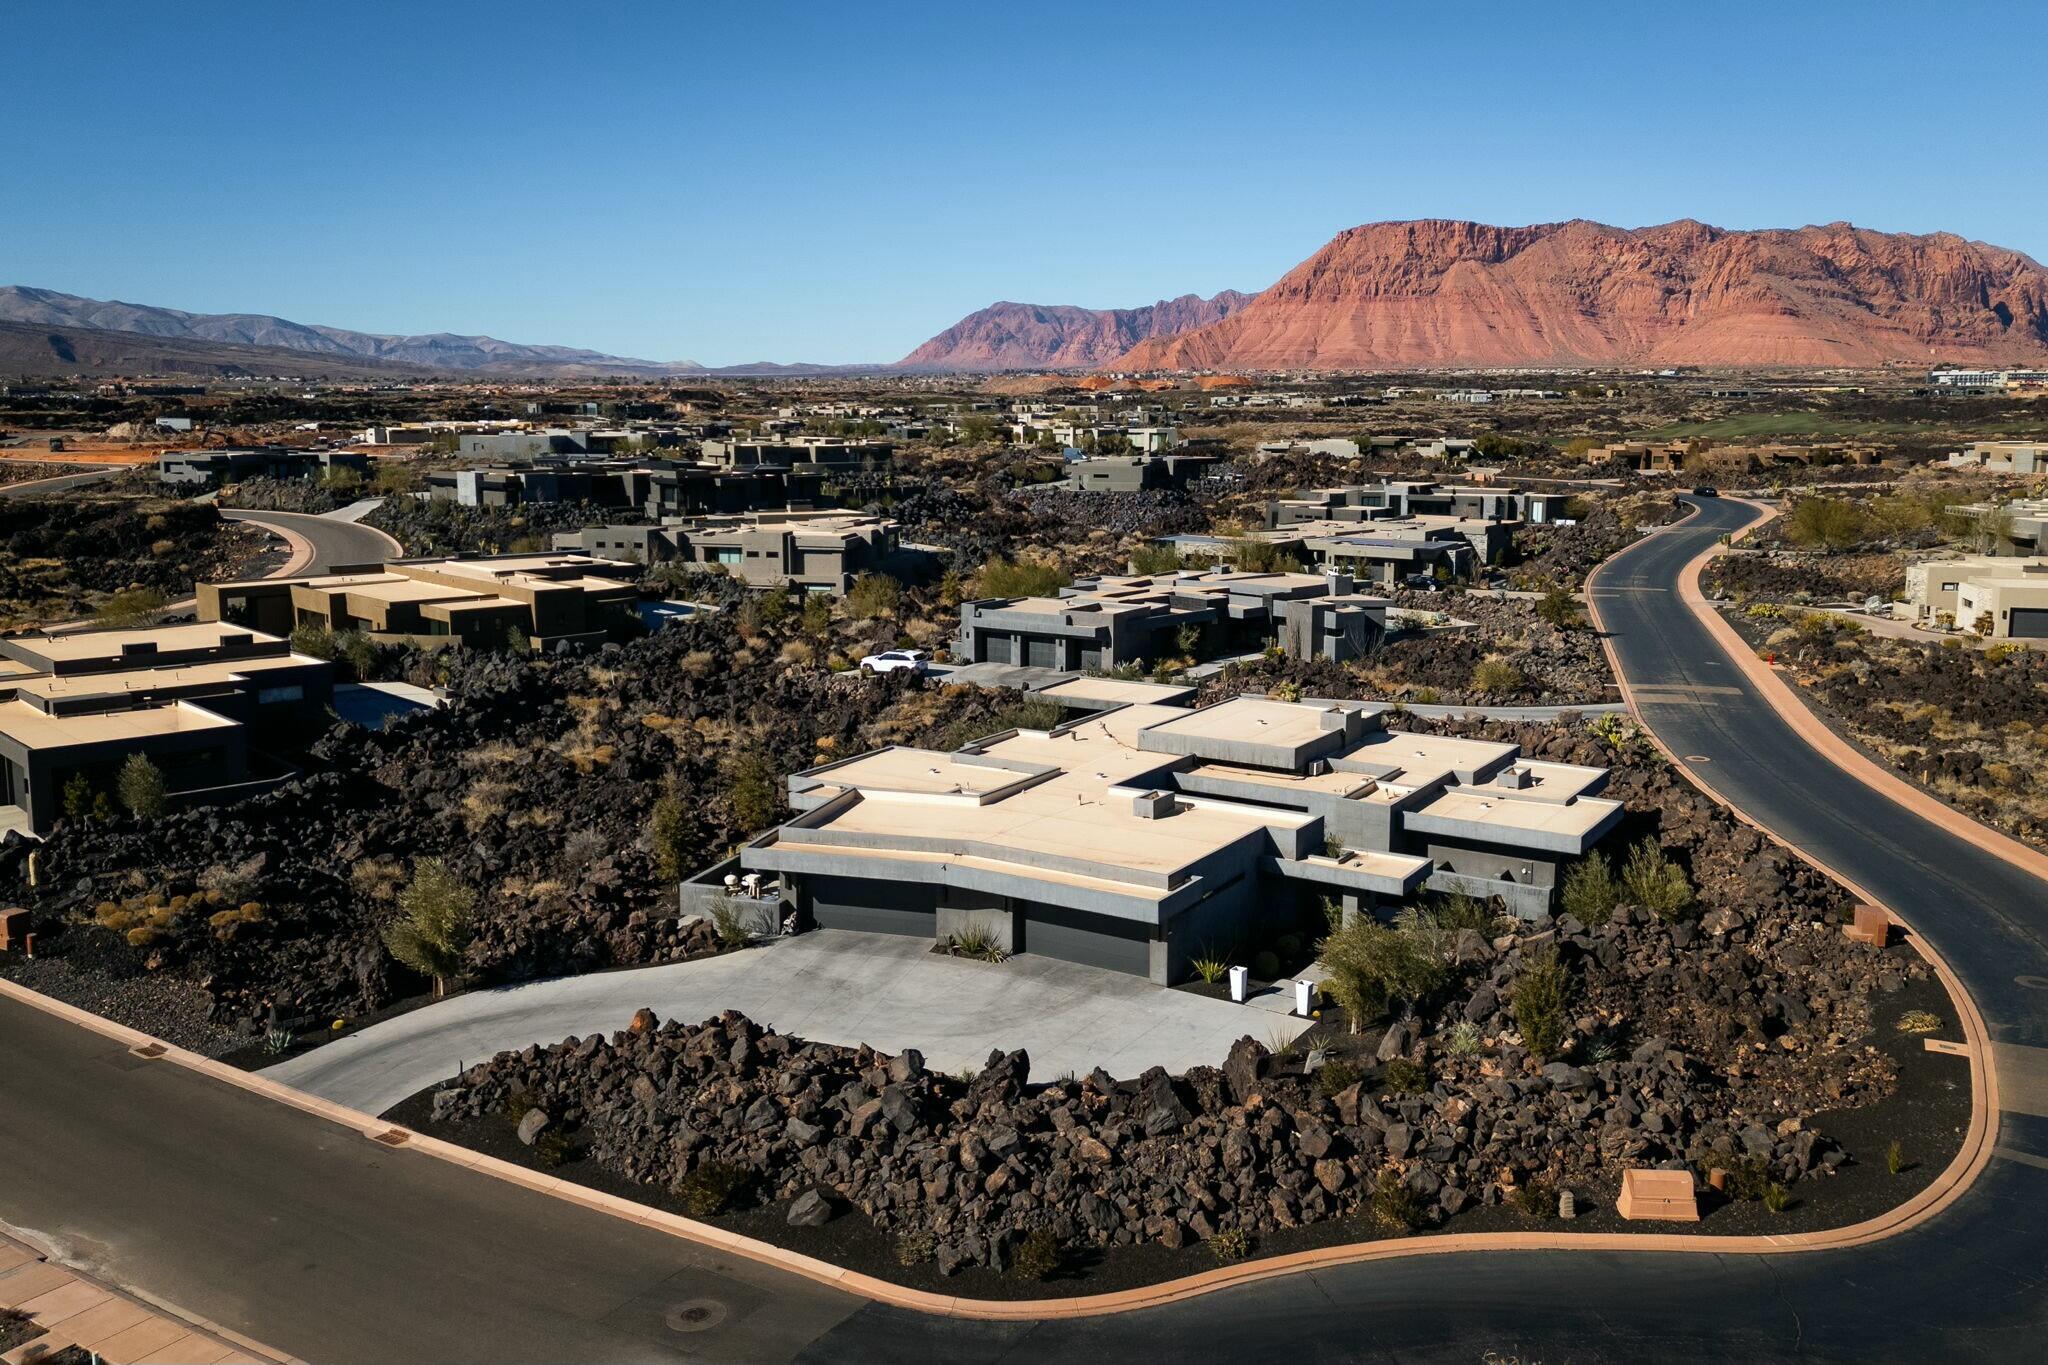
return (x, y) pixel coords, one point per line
(1434, 292)
(1030, 336)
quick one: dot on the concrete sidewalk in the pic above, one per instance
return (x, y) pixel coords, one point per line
(73, 1310)
(831, 986)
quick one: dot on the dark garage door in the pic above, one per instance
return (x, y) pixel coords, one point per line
(993, 649)
(1040, 652)
(872, 907)
(1094, 940)
(2030, 623)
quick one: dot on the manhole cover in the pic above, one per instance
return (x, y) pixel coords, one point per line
(697, 1315)
(1698, 758)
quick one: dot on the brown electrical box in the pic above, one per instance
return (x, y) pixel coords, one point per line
(1659, 1196)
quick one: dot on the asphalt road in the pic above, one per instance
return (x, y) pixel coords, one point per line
(335, 543)
(318, 1242)
(60, 482)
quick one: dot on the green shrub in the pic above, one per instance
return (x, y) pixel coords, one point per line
(1653, 881)
(1776, 1197)
(553, 1147)
(728, 925)
(1001, 577)
(1895, 1158)
(1833, 523)
(1589, 894)
(131, 607)
(1535, 1199)
(437, 923)
(712, 1188)
(1334, 1078)
(915, 1247)
(668, 829)
(1154, 559)
(1463, 1039)
(1395, 1207)
(1211, 968)
(873, 595)
(1404, 1077)
(1538, 1000)
(1038, 1256)
(1560, 609)
(1231, 1244)
(1496, 677)
(1266, 966)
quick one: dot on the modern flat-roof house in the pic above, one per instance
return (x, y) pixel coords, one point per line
(1141, 836)
(1381, 551)
(2018, 525)
(1135, 473)
(2007, 595)
(1105, 623)
(189, 697)
(655, 488)
(211, 468)
(2002, 457)
(545, 598)
(804, 453)
(815, 551)
(1418, 498)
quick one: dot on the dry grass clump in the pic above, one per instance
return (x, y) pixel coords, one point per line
(483, 800)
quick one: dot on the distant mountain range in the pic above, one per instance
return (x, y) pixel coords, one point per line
(257, 343)
(1032, 336)
(1385, 296)
(1434, 292)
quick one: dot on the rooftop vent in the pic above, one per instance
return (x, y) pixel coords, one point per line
(1153, 805)
(1517, 777)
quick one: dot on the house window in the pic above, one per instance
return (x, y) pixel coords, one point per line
(271, 696)
(1948, 587)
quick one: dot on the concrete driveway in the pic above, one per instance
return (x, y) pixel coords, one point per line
(831, 986)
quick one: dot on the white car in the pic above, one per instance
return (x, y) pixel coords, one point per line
(896, 660)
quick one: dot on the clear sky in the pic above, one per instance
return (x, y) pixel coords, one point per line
(836, 181)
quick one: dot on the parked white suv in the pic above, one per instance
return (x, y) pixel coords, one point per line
(896, 660)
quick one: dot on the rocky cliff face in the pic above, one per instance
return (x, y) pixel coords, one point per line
(1030, 336)
(1436, 292)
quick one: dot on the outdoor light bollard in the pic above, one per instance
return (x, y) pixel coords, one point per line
(1240, 984)
(1304, 998)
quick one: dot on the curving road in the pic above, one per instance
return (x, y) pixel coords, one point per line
(336, 543)
(318, 1242)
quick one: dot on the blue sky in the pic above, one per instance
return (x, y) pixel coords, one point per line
(835, 182)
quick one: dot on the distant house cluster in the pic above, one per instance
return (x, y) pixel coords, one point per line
(213, 468)
(819, 551)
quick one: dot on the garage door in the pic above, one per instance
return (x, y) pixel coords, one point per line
(872, 907)
(1094, 940)
(1040, 652)
(992, 649)
(2030, 623)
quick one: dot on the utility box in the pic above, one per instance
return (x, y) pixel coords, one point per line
(13, 930)
(1871, 925)
(1240, 984)
(1658, 1196)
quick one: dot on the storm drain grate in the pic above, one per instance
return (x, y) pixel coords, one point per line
(391, 1137)
(150, 1050)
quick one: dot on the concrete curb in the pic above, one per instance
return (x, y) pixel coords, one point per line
(301, 548)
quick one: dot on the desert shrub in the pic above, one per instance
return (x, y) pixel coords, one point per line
(1155, 559)
(142, 787)
(1538, 1000)
(712, 1188)
(1776, 1197)
(1038, 1256)
(1895, 1158)
(131, 607)
(977, 943)
(1589, 894)
(873, 595)
(727, 924)
(1463, 1039)
(1210, 967)
(1833, 523)
(1261, 556)
(1371, 967)
(915, 1247)
(1748, 1178)
(1653, 881)
(1535, 1199)
(1456, 910)
(1231, 1244)
(750, 789)
(1559, 608)
(1001, 577)
(553, 1147)
(1334, 1078)
(1395, 1207)
(1919, 1021)
(1495, 677)
(1266, 966)
(1404, 1077)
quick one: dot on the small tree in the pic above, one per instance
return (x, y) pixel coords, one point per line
(395, 477)
(130, 607)
(1538, 999)
(1371, 968)
(142, 789)
(751, 790)
(437, 925)
(668, 830)
(1590, 894)
(817, 615)
(77, 797)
